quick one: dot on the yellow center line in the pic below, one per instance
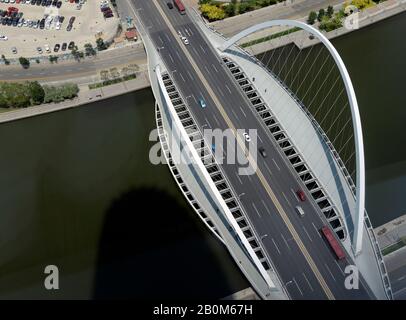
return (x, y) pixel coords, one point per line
(261, 177)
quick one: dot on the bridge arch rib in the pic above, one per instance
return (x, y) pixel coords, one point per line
(356, 119)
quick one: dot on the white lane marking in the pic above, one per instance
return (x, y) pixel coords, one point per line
(228, 88)
(170, 57)
(182, 77)
(308, 282)
(243, 112)
(221, 92)
(294, 193)
(214, 67)
(187, 32)
(267, 168)
(207, 69)
(294, 280)
(201, 47)
(194, 49)
(286, 198)
(167, 37)
(276, 246)
(399, 279)
(266, 207)
(190, 76)
(285, 241)
(207, 121)
(177, 53)
(399, 291)
(307, 234)
(260, 139)
(317, 230)
(276, 164)
(217, 120)
(253, 204)
(238, 177)
(193, 96)
(235, 115)
(338, 266)
(331, 274)
(160, 39)
(191, 32)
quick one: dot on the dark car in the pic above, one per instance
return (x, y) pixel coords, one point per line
(57, 47)
(64, 46)
(301, 195)
(170, 5)
(262, 152)
(72, 20)
(69, 27)
(71, 45)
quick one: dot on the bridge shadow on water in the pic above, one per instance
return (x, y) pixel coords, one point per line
(153, 247)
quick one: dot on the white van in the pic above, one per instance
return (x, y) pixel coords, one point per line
(300, 211)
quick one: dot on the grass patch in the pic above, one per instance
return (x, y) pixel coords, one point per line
(270, 37)
(396, 246)
(112, 81)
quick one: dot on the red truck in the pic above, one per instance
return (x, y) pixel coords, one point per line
(178, 4)
(339, 252)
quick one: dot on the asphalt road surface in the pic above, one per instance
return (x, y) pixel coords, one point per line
(303, 260)
(73, 69)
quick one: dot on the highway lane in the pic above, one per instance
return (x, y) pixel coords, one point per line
(306, 285)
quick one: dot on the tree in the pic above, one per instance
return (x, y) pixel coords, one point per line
(101, 45)
(89, 50)
(37, 93)
(6, 61)
(77, 54)
(230, 9)
(321, 14)
(212, 12)
(312, 17)
(330, 11)
(53, 59)
(24, 62)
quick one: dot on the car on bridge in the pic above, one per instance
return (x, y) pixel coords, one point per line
(202, 103)
(185, 40)
(246, 137)
(301, 195)
(262, 152)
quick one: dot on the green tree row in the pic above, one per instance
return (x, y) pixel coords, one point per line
(26, 94)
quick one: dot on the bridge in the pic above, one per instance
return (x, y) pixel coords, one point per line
(210, 82)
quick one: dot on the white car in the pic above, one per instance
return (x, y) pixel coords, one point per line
(246, 137)
(47, 49)
(185, 40)
(3, 38)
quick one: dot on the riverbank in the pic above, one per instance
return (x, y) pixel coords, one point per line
(85, 96)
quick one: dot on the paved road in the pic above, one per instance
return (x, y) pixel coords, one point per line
(74, 69)
(303, 260)
(296, 10)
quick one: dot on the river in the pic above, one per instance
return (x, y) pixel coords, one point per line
(78, 191)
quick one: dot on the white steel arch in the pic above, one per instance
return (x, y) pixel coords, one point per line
(356, 119)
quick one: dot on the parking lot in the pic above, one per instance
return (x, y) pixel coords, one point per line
(27, 39)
